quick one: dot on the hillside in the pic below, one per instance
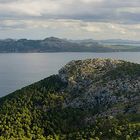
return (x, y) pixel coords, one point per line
(88, 100)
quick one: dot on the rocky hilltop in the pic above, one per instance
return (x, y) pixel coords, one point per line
(89, 99)
(109, 86)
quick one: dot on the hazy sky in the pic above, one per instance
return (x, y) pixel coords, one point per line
(75, 19)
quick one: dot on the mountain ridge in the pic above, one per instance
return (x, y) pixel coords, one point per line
(53, 44)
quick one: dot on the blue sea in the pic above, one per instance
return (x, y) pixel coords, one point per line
(21, 69)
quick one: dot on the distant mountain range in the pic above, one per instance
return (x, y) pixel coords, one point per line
(120, 41)
(53, 44)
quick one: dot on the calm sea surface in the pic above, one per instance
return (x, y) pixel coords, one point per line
(20, 69)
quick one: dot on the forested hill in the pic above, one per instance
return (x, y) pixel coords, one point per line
(93, 99)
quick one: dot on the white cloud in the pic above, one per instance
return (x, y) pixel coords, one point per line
(30, 7)
(74, 27)
(83, 18)
(118, 28)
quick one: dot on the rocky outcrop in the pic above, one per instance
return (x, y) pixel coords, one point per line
(108, 86)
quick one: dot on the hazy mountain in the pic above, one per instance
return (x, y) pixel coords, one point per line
(51, 44)
(88, 99)
(119, 41)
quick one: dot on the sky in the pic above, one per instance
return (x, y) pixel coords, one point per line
(72, 19)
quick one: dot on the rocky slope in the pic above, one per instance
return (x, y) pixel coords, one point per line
(89, 99)
(110, 86)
